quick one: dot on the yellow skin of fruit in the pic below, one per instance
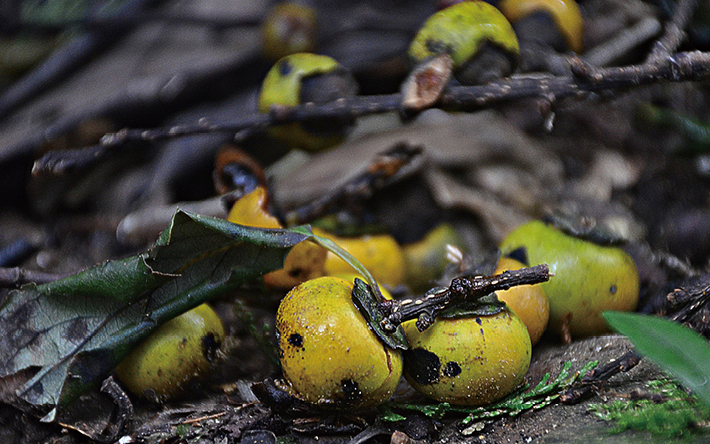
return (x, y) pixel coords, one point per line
(566, 14)
(461, 29)
(304, 261)
(289, 28)
(426, 260)
(328, 353)
(282, 87)
(468, 361)
(528, 302)
(588, 278)
(379, 253)
(162, 365)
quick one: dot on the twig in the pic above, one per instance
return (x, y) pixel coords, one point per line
(585, 79)
(675, 31)
(600, 374)
(102, 24)
(15, 253)
(14, 277)
(65, 60)
(682, 66)
(467, 288)
(386, 168)
(622, 43)
(122, 415)
(203, 418)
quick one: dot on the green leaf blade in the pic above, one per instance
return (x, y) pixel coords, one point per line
(679, 350)
(75, 330)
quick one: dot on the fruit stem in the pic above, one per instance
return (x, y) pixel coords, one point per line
(465, 288)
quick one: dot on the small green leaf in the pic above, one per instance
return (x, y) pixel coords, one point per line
(677, 349)
(484, 306)
(367, 305)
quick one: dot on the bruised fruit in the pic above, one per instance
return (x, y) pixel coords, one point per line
(468, 360)
(179, 351)
(529, 302)
(588, 278)
(328, 353)
(304, 261)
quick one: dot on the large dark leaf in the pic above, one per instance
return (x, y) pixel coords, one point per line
(677, 349)
(75, 330)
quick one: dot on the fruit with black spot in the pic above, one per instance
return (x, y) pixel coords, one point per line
(328, 353)
(588, 278)
(307, 78)
(479, 39)
(529, 302)
(469, 360)
(179, 351)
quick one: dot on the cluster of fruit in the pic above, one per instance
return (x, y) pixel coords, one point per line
(330, 354)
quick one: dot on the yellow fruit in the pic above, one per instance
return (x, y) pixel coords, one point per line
(288, 28)
(468, 361)
(328, 353)
(177, 352)
(350, 277)
(529, 302)
(588, 278)
(463, 30)
(426, 260)
(302, 78)
(565, 14)
(379, 253)
(305, 261)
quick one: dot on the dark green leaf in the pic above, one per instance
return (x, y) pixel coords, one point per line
(365, 302)
(75, 330)
(677, 349)
(483, 306)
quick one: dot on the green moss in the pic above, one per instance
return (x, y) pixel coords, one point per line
(677, 415)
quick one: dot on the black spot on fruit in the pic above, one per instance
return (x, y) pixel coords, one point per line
(520, 254)
(423, 366)
(452, 369)
(210, 344)
(285, 68)
(296, 340)
(351, 390)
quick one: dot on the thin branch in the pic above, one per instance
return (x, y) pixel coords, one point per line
(65, 60)
(466, 288)
(16, 276)
(593, 379)
(584, 80)
(386, 168)
(101, 24)
(675, 31)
